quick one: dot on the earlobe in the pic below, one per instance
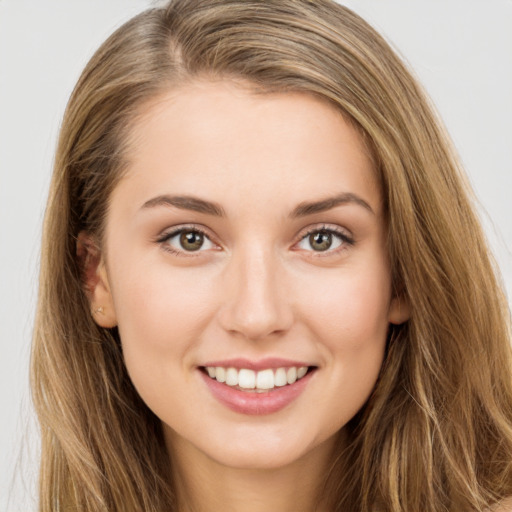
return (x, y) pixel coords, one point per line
(95, 280)
(399, 310)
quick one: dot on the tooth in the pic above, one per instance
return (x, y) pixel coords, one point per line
(231, 377)
(262, 380)
(265, 379)
(280, 377)
(302, 371)
(246, 379)
(220, 374)
(291, 375)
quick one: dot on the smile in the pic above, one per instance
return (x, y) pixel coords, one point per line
(256, 388)
(246, 379)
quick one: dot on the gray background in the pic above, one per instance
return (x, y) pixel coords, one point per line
(460, 49)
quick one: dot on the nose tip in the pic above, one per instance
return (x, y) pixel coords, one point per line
(257, 305)
(256, 319)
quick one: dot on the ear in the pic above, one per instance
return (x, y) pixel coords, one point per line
(399, 310)
(95, 280)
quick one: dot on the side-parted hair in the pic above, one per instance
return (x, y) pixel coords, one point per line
(436, 434)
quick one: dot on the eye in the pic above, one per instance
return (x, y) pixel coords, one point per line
(186, 240)
(324, 240)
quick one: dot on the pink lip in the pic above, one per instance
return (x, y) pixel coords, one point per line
(247, 402)
(263, 364)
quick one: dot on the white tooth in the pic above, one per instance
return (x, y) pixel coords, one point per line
(302, 371)
(265, 379)
(211, 371)
(246, 379)
(280, 377)
(291, 375)
(232, 377)
(220, 374)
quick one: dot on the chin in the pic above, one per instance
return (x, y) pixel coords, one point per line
(266, 449)
(257, 458)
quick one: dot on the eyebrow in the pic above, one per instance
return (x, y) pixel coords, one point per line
(186, 203)
(302, 210)
(309, 208)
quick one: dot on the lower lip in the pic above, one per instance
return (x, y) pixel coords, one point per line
(247, 402)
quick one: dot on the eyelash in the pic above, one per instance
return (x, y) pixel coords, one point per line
(164, 239)
(345, 240)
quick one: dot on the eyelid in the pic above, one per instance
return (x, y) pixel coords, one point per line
(173, 231)
(345, 235)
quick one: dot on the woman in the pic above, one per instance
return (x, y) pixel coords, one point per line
(263, 283)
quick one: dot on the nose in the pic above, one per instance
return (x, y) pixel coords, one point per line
(257, 303)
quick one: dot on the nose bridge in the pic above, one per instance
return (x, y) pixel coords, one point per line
(257, 305)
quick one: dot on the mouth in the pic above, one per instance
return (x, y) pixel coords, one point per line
(261, 381)
(258, 387)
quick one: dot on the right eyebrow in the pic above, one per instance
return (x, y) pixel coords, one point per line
(186, 203)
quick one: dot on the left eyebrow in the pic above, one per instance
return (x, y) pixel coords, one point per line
(309, 208)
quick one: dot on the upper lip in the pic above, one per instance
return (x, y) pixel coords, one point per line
(261, 364)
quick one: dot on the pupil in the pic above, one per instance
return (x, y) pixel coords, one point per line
(320, 241)
(191, 240)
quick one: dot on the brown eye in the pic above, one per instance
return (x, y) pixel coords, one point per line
(325, 240)
(185, 241)
(320, 241)
(191, 240)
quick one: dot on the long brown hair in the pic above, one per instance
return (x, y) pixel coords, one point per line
(437, 432)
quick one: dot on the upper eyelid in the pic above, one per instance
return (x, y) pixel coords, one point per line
(302, 233)
(342, 233)
(174, 230)
(167, 234)
(332, 228)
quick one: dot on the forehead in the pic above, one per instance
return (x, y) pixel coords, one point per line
(208, 135)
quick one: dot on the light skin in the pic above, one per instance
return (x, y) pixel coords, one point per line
(285, 258)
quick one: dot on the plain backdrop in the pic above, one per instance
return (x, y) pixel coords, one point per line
(461, 50)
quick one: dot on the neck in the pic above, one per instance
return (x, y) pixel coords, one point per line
(204, 485)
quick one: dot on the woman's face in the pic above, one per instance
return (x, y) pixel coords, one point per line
(247, 243)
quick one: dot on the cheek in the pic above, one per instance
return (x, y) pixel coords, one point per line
(349, 319)
(352, 311)
(160, 314)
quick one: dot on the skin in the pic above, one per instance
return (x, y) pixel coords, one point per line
(257, 288)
